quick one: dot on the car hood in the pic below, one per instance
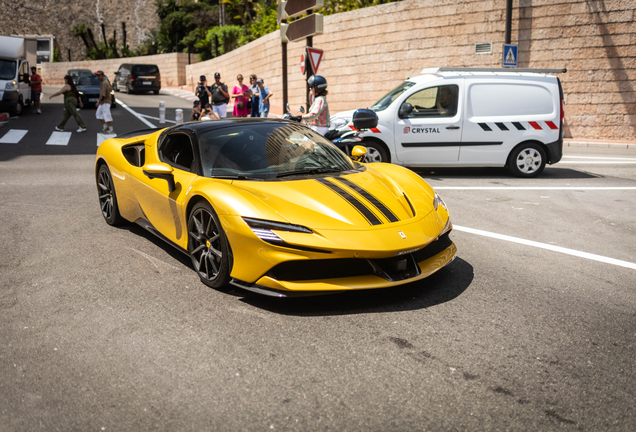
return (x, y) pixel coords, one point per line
(358, 201)
(89, 89)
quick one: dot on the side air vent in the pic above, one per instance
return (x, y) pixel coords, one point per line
(483, 48)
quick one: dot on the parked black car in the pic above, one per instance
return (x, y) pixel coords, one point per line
(133, 78)
(89, 87)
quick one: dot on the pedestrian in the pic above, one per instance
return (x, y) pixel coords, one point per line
(103, 104)
(202, 91)
(264, 95)
(71, 96)
(254, 102)
(240, 94)
(318, 116)
(196, 111)
(219, 95)
(36, 90)
(209, 114)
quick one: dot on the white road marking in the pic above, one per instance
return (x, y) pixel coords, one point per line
(103, 137)
(59, 138)
(535, 188)
(599, 157)
(13, 136)
(550, 247)
(157, 118)
(136, 114)
(599, 162)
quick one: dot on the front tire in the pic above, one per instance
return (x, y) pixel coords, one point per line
(208, 246)
(107, 197)
(115, 88)
(19, 107)
(527, 160)
(375, 152)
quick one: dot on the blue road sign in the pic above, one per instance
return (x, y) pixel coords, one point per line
(510, 55)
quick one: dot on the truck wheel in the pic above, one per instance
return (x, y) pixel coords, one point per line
(527, 160)
(375, 152)
(19, 107)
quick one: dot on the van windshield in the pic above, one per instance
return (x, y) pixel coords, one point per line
(388, 98)
(7, 69)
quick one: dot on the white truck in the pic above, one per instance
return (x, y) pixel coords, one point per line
(469, 117)
(16, 54)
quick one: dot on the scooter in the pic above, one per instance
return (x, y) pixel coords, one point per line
(363, 119)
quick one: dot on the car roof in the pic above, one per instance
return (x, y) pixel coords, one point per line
(434, 74)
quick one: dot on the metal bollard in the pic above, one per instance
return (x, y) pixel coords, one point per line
(178, 116)
(162, 112)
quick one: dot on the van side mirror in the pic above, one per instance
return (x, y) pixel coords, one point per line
(405, 110)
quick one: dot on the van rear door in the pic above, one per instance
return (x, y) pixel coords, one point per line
(428, 125)
(501, 113)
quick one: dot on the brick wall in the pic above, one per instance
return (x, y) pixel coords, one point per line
(369, 51)
(171, 66)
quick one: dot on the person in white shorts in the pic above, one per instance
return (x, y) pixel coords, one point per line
(219, 96)
(103, 104)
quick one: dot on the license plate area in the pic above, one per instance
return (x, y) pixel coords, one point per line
(147, 82)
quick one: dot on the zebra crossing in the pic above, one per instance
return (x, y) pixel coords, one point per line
(16, 136)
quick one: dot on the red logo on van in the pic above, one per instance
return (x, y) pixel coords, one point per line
(407, 129)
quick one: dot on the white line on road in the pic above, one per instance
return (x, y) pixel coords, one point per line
(157, 118)
(103, 137)
(136, 114)
(534, 188)
(599, 162)
(598, 157)
(59, 138)
(13, 136)
(553, 248)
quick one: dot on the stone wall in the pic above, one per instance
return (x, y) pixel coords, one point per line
(369, 51)
(171, 66)
(57, 17)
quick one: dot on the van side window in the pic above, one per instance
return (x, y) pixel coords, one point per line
(176, 150)
(438, 101)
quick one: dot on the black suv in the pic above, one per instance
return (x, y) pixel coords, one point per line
(133, 78)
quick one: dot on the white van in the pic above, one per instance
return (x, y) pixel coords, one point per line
(15, 86)
(469, 117)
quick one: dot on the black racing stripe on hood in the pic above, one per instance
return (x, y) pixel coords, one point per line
(357, 204)
(372, 199)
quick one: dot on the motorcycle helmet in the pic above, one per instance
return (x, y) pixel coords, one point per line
(318, 82)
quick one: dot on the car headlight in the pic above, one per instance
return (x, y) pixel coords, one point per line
(437, 201)
(11, 85)
(339, 122)
(264, 229)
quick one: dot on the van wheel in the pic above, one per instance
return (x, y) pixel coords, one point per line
(115, 87)
(19, 107)
(527, 160)
(375, 152)
(156, 92)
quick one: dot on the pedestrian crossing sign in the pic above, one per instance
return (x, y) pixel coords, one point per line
(510, 55)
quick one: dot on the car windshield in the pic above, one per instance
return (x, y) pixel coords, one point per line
(388, 98)
(259, 151)
(88, 80)
(7, 69)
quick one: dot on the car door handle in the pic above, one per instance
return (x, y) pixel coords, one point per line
(452, 127)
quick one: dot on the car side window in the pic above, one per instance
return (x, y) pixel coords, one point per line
(440, 101)
(176, 150)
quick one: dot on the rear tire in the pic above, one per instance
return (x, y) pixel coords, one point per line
(208, 246)
(527, 160)
(156, 92)
(107, 197)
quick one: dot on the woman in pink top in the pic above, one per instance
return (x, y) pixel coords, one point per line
(240, 94)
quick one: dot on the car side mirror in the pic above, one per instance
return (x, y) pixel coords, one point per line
(117, 73)
(160, 171)
(405, 110)
(358, 153)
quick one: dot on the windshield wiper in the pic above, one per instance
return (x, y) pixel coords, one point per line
(233, 177)
(309, 171)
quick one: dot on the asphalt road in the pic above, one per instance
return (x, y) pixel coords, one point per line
(532, 327)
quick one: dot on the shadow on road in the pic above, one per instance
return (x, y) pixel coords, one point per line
(443, 286)
(550, 173)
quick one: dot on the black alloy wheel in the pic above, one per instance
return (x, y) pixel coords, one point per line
(107, 197)
(207, 245)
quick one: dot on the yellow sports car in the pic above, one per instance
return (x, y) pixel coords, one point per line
(273, 207)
